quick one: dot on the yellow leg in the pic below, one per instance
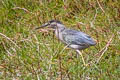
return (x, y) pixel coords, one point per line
(82, 57)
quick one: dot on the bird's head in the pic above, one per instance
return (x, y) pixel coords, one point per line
(52, 24)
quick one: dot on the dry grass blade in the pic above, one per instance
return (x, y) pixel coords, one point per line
(103, 50)
(21, 9)
(9, 54)
(100, 6)
(9, 40)
(64, 49)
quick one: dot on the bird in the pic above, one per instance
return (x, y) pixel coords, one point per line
(74, 39)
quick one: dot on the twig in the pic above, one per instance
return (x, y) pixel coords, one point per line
(9, 40)
(100, 6)
(64, 48)
(49, 68)
(21, 9)
(9, 54)
(104, 49)
(38, 78)
(118, 32)
(60, 68)
(95, 16)
(91, 23)
(81, 23)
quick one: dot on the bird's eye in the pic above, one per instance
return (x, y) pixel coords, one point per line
(49, 23)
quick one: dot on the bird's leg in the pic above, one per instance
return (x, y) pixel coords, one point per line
(81, 56)
(77, 55)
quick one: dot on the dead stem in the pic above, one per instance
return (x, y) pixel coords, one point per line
(60, 68)
(103, 50)
(9, 54)
(21, 9)
(9, 40)
(100, 6)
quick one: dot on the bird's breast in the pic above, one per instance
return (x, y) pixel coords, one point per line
(58, 34)
(79, 47)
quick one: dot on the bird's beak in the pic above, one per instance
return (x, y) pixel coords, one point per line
(44, 25)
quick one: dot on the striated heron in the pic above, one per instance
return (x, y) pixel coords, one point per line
(72, 38)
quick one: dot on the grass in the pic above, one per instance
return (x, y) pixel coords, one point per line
(29, 54)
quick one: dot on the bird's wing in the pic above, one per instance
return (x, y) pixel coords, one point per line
(77, 38)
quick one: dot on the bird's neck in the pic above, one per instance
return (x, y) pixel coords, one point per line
(59, 32)
(60, 27)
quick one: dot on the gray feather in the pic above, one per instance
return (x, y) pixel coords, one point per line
(77, 38)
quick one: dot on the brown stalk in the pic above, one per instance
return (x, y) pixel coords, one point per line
(103, 50)
(100, 6)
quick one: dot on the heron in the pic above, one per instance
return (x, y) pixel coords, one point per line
(74, 39)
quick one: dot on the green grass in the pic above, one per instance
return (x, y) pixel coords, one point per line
(37, 54)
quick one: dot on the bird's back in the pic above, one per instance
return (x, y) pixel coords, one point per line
(77, 39)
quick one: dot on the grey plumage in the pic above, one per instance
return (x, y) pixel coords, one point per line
(73, 38)
(80, 39)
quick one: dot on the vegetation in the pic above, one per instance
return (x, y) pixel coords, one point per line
(29, 54)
